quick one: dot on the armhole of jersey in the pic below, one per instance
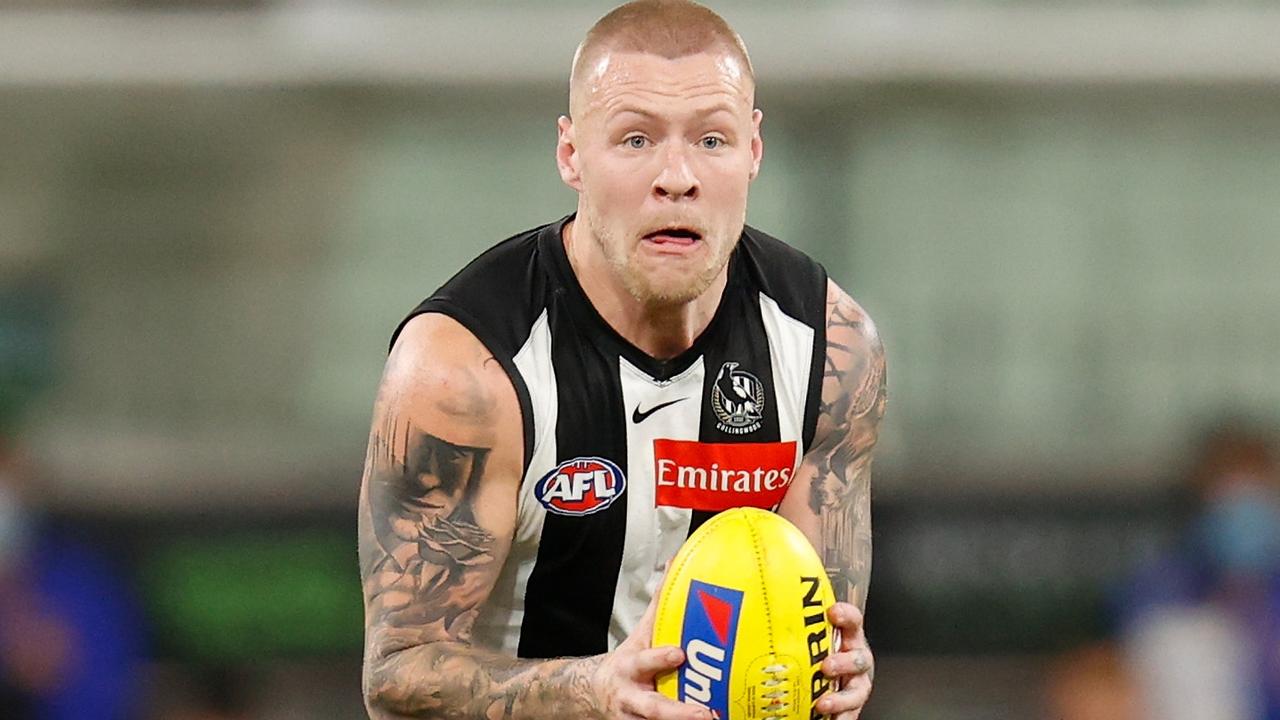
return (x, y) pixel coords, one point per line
(504, 358)
(818, 364)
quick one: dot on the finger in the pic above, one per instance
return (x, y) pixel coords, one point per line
(654, 706)
(853, 641)
(846, 616)
(848, 634)
(852, 697)
(648, 663)
(841, 664)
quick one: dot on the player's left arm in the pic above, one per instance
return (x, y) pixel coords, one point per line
(830, 496)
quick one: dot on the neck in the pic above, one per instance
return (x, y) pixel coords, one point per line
(662, 331)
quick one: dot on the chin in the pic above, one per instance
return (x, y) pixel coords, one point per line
(668, 290)
(670, 297)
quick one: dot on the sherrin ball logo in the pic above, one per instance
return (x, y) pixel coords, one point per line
(581, 486)
(745, 598)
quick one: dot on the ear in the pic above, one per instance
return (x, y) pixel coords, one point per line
(567, 154)
(757, 143)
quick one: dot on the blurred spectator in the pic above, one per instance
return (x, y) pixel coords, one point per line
(1091, 683)
(69, 636)
(1202, 622)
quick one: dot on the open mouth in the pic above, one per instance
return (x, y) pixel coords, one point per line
(674, 235)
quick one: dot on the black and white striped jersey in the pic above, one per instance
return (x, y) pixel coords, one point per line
(625, 455)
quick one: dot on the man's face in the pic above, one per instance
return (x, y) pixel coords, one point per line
(662, 152)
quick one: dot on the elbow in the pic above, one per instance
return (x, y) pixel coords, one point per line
(377, 697)
(392, 691)
(384, 698)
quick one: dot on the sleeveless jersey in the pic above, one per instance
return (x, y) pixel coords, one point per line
(625, 455)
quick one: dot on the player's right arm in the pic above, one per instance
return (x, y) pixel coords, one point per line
(437, 517)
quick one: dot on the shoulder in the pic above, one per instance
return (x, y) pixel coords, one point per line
(845, 316)
(773, 260)
(440, 375)
(502, 265)
(774, 251)
(854, 349)
(497, 295)
(854, 380)
(788, 276)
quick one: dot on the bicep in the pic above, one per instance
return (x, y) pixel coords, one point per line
(438, 498)
(830, 496)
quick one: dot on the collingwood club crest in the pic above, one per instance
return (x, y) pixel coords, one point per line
(737, 397)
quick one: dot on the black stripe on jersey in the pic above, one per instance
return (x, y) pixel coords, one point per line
(498, 296)
(569, 599)
(743, 347)
(817, 369)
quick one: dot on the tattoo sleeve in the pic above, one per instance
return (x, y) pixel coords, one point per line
(837, 501)
(428, 560)
(426, 544)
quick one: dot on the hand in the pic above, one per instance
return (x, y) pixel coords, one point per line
(849, 668)
(626, 678)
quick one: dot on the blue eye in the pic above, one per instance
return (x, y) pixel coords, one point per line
(711, 142)
(635, 142)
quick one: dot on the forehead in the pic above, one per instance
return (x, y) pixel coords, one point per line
(623, 80)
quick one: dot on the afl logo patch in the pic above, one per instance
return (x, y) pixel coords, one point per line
(581, 486)
(737, 397)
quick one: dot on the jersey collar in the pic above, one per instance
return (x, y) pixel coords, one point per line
(556, 264)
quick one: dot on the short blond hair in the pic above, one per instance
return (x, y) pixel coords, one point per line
(668, 28)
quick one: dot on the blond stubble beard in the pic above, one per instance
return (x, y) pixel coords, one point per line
(638, 284)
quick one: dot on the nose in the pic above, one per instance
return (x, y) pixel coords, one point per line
(676, 181)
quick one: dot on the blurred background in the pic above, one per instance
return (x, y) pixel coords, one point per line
(1065, 217)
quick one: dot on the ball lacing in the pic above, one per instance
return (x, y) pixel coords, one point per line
(777, 707)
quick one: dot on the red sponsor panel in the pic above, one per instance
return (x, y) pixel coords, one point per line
(719, 476)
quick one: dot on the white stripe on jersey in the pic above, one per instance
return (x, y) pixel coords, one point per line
(654, 534)
(791, 353)
(498, 625)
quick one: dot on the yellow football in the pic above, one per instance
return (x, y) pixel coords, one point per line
(746, 599)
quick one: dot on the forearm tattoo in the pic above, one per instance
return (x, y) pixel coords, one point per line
(427, 565)
(853, 402)
(456, 682)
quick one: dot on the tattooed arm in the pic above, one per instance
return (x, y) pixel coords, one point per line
(831, 496)
(830, 499)
(437, 515)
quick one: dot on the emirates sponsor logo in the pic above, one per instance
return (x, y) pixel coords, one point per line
(719, 476)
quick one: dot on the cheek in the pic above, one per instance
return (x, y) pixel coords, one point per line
(729, 176)
(618, 204)
(616, 180)
(728, 198)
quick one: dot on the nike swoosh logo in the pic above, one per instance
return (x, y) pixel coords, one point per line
(639, 417)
